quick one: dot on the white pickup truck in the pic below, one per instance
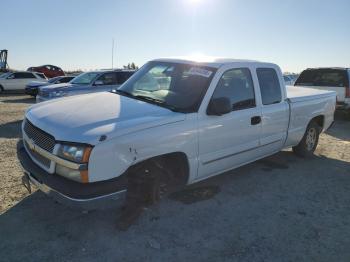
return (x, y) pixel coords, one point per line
(180, 119)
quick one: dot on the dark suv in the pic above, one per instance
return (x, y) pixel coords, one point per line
(334, 79)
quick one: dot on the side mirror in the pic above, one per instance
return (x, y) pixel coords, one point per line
(219, 106)
(98, 83)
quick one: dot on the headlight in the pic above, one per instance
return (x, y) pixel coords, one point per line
(58, 93)
(77, 153)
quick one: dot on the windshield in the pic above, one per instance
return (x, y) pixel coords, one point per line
(54, 79)
(85, 78)
(5, 75)
(179, 87)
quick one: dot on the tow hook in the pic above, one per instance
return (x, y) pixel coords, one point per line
(26, 183)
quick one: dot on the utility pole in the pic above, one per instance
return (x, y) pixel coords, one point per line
(113, 53)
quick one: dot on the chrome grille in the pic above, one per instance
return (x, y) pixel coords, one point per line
(40, 138)
(41, 159)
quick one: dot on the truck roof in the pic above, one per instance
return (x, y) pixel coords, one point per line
(337, 68)
(210, 61)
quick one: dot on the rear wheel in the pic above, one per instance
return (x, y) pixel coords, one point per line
(308, 144)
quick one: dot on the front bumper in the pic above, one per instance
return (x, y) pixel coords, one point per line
(92, 195)
(33, 91)
(41, 99)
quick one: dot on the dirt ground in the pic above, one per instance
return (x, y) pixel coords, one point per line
(281, 208)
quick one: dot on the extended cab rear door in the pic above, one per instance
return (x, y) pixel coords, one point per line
(274, 108)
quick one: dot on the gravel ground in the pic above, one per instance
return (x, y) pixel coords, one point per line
(281, 208)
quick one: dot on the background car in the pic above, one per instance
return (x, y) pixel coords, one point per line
(289, 80)
(33, 87)
(49, 71)
(19, 80)
(90, 82)
(333, 79)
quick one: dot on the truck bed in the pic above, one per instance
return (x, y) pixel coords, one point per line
(300, 94)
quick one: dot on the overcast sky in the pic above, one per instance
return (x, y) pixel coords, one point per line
(78, 34)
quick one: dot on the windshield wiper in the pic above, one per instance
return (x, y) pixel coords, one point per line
(158, 102)
(122, 92)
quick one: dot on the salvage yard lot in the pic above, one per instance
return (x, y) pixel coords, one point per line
(282, 208)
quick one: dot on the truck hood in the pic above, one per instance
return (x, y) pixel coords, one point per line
(86, 118)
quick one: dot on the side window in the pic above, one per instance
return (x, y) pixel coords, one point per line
(123, 76)
(108, 79)
(65, 80)
(237, 85)
(23, 75)
(28, 75)
(269, 86)
(17, 76)
(41, 76)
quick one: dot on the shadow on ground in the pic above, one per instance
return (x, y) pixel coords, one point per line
(11, 129)
(340, 130)
(280, 208)
(17, 100)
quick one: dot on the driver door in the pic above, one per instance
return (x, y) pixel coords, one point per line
(230, 140)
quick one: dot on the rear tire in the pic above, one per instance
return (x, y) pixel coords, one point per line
(308, 144)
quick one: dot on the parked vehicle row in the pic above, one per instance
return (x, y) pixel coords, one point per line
(90, 82)
(32, 88)
(180, 120)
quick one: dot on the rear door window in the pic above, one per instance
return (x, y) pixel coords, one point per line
(270, 87)
(323, 77)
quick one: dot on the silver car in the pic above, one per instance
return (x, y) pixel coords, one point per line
(90, 82)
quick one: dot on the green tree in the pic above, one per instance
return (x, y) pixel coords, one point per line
(131, 66)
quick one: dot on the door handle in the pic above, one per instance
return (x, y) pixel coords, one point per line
(255, 120)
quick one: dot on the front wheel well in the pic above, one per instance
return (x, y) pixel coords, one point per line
(172, 164)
